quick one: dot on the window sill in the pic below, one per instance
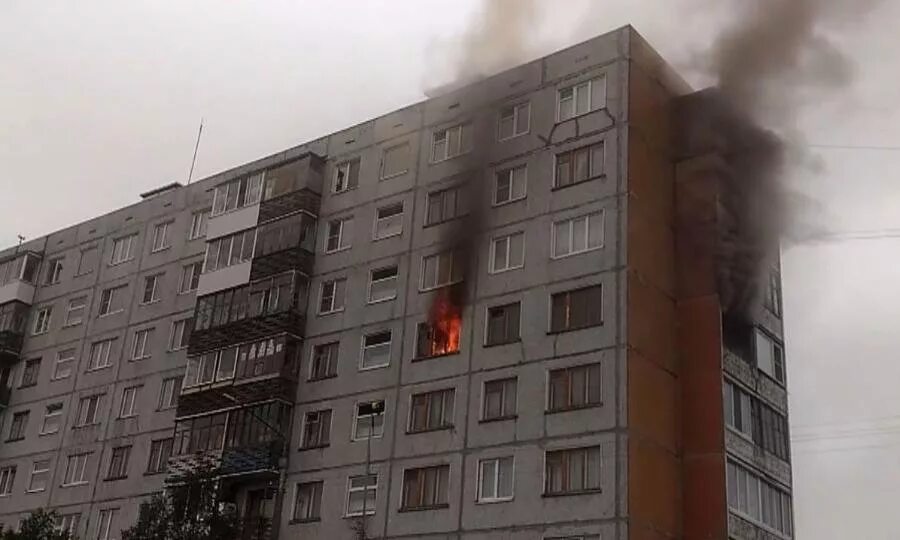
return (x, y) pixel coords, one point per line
(423, 508)
(393, 175)
(114, 478)
(154, 473)
(304, 520)
(35, 490)
(424, 358)
(16, 439)
(347, 190)
(314, 447)
(583, 327)
(578, 183)
(96, 369)
(381, 300)
(72, 325)
(74, 484)
(111, 313)
(502, 343)
(579, 115)
(387, 236)
(513, 136)
(498, 418)
(572, 493)
(497, 204)
(82, 274)
(161, 249)
(151, 302)
(443, 221)
(86, 426)
(46, 433)
(505, 270)
(183, 293)
(338, 250)
(29, 385)
(322, 378)
(494, 501)
(575, 253)
(575, 408)
(128, 417)
(429, 430)
(332, 312)
(120, 263)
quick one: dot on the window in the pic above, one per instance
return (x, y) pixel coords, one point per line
(389, 221)
(440, 270)
(118, 463)
(756, 420)
(443, 205)
(426, 487)
(87, 261)
(69, 523)
(324, 361)
(340, 234)
(88, 408)
(578, 235)
(7, 478)
(395, 161)
(580, 308)
(574, 387)
(129, 396)
(510, 184)
(31, 372)
(105, 523)
(76, 467)
(383, 284)
(451, 142)
(54, 270)
(180, 335)
(190, 277)
(237, 194)
(112, 300)
(123, 249)
(100, 354)
(160, 451)
(573, 470)
(769, 356)
(65, 359)
(168, 393)
(229, 250)
(738, 409)
(141, 344)
(361, 495)
(308, 501)
(332, 298)
(151, 289)
(579, 165)
(581, 98)
(18, 425)
(75, 311)
(40, 473)
(41, 321)
(346, 176)
(376, 350)
(495, 479)
(499, 399)
(515, 120)
(437, 339)
(369, 420)
(502, 324)
(316, 429)
(161, 236)
(198, 225)
(508, 252)
(52, 419)
(432, 410)
(757, 499)
(772, 298)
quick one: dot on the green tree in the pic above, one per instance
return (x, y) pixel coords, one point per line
(39, 525)
(189, 512)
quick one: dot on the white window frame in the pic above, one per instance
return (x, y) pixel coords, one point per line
(35, 470)
(381, 174)
(356, 419)
(88, 421)
(154, 291)
(60, 360)
(105, 346)
(492, 254)
(129, 399)
(776, 349)
(306, 424)
(7, 479)
(141, 343)
(199, 221)
(73, 307)
(195, 269)
(447, 134)
(366, 489)
(42, 321)
(229, 239)
(570, 222)
(458, 205)
(113, 291)
(105, 529)
(332, 361)
(123, 249)
(364, 347)
(253, 193)
(481, 498)
(511, 172)
(57, 410)
(334, 307)
(161, 240)
(373, 281)
(169, 390)
(54, 270)
(378, 220)
(483, 404)
(79, 476)
(342, 237)
(588, 86)
(516, 117)
(69, 523)
(346, 166)
(176, 337)
(438, 285)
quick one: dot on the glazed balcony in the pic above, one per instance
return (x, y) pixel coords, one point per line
(284, 245)
(300, 200)
(13, 322)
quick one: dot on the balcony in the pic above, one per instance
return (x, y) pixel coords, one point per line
(13, 320)
(5, 392)
(284, 245)
(262, 309)
(301, 200)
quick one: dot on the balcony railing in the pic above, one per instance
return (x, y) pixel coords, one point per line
(294, 201)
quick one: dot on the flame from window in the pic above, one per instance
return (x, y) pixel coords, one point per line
(445, 324)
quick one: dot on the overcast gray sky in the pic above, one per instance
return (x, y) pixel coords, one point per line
(100, 101)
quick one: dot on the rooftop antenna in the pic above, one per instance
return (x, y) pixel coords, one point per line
(21, 239)
(196, 146)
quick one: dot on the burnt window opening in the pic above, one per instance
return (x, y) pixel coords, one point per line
(437, 339)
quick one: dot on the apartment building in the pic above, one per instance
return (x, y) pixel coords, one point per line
(280, 326)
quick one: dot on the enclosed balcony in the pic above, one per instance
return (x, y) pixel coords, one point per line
(283, 245)
(243, 441)
(261, 309)
(13, 322)
(18, 275)
(240, 374)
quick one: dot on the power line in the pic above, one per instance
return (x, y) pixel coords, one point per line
(875, 148)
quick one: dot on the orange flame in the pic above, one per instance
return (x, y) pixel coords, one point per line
(445, 324)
